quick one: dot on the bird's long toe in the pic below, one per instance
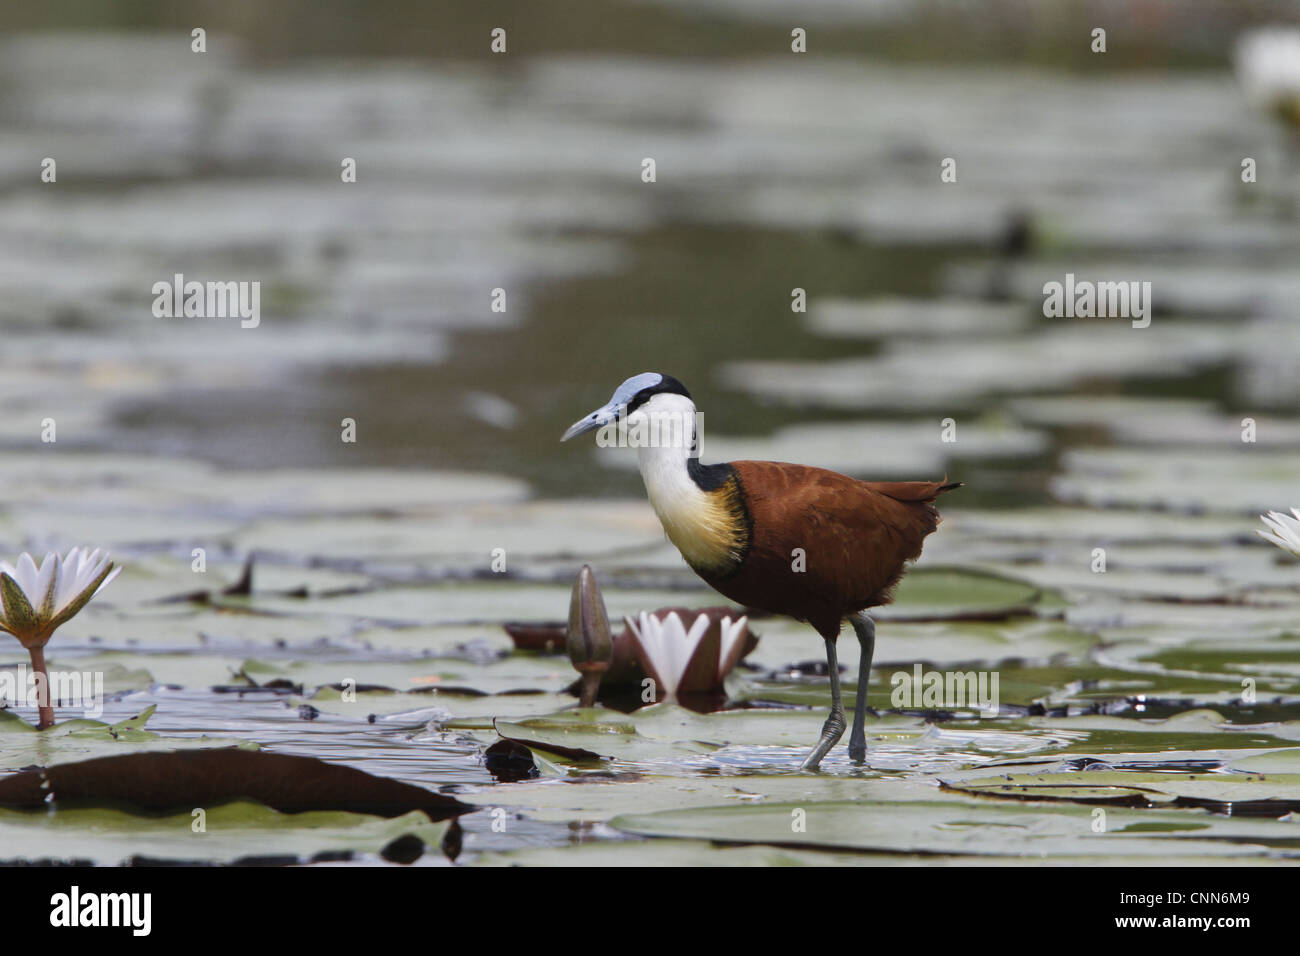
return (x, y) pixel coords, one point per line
(832, 731)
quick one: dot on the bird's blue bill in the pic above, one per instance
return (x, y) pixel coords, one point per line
(589, 423)
(610, 410)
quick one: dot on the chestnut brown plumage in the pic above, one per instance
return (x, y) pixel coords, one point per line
(855, 538)
(789, 539)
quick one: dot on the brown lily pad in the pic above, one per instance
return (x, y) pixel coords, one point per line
(545, 637)
(174, 780)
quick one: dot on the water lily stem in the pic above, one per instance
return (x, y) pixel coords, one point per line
(590, 687)
(45, 708)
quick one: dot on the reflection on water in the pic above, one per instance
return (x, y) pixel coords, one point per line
(379, 296)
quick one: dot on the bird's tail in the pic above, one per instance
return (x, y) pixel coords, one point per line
(914, 490)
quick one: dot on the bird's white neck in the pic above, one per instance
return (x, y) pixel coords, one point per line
(695, 520)
(663, 430)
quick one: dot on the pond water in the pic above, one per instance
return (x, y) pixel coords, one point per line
(1164, 689)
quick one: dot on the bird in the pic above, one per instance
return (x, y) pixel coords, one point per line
(788, 539)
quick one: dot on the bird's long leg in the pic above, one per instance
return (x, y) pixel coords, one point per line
(833, 729)
(866, 631)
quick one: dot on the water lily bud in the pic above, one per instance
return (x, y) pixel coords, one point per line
(590, 645)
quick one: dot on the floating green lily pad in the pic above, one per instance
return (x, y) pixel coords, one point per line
(929, 593)
(1258, 794)
(68, 741)
(590, 737)
(243, 830)
(984, 829)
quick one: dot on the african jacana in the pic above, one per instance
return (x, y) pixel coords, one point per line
(789, 539)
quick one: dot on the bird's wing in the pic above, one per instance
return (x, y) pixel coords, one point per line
(856, 535)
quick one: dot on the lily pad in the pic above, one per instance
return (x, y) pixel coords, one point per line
(162, 781)
(937, 593)
(662, 853)
(1264, 795)
(991, 830)
(587, 738)
(1240, 479)
(232, 832)
(887, 317)
(1191, 730)
(68, 741)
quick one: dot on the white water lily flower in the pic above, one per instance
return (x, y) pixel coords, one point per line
(1268, 67)
(36, 601)
(1285, 531)
(670, 648)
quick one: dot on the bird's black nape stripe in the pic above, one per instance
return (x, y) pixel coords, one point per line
(708, 477)
(672, 386)
(667, 385)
